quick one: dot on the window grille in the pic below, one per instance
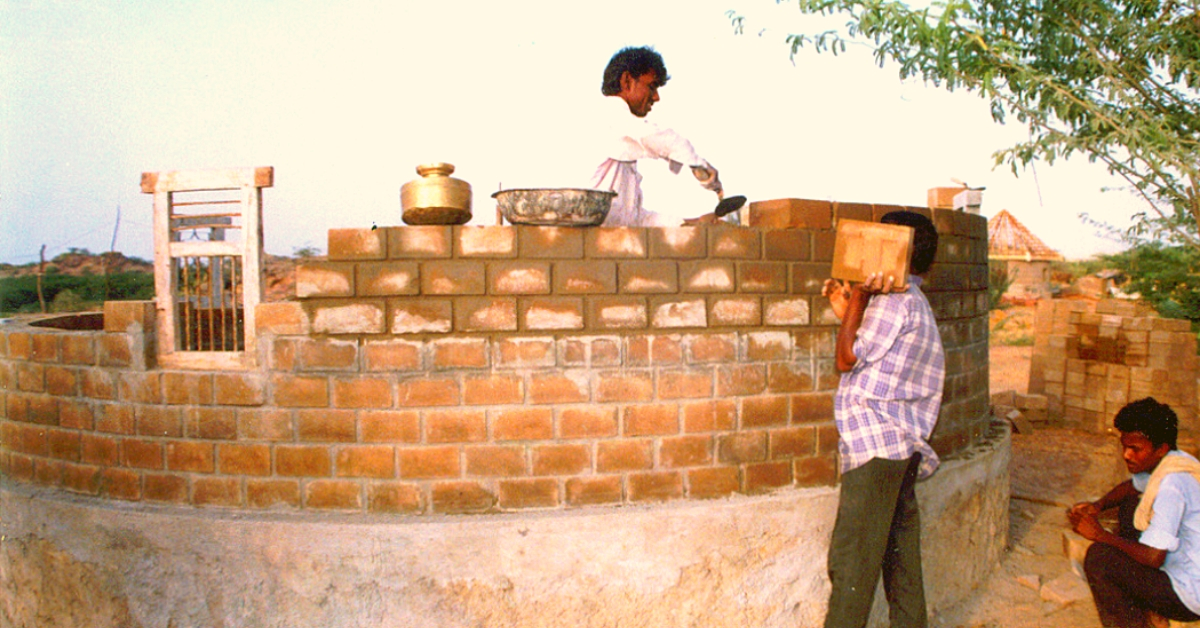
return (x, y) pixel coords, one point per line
(207, 263)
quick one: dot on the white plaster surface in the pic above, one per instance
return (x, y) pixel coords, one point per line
(743, 561)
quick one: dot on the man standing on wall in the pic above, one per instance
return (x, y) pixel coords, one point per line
(890, 355)
(631, 82)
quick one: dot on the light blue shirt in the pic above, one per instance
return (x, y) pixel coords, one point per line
(1175, 528)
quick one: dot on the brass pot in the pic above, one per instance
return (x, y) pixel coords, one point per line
(436, 198)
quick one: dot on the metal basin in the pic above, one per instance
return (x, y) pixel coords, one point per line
(571, 207)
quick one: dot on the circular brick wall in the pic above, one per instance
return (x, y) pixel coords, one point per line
(428, 370)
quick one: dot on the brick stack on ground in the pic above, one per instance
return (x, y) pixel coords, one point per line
(1090, 358)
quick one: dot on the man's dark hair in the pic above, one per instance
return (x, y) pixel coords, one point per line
(635, 61)
(925, 238)
(1156, 421)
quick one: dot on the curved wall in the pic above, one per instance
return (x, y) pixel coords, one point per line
(427, 370)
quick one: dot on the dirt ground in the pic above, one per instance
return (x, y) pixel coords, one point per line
(1034, 585)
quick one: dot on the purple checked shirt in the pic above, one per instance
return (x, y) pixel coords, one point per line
(886, 406)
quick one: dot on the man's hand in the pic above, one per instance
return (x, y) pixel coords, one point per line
(1088, 526)
(838, 294)
(1081, 509)
(708, 177)
(875, 283)
(707, 219)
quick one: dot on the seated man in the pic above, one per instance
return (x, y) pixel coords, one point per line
(1150, 569)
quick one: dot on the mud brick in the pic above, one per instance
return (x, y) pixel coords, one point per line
(523, 424)
(485, 242)
(623, 455)
(120, 484)
(386, 279)
(707, 276)
(815, 471)
(333, 495)
(325, 426)
(551, 313)
(31, 377)
(734, 243)
(493, 389)
(648, 277)
(790, 213)
(496, 461)
(79, 349)
(617, 313)
(452, 278)
(767, 476)
(616, 242)
(63, 445)
(84, 479)
(585, 277)
(455, 426)
(426, 241)
(691, 384)
(139, 387)
(735, 311)
(268, 424)
(485, 314)
(324, 279)
(791, 377)
(459, 353)
(765, 410)
(524, 352)
(560, 387)
(712, 482)
(327, 354)
(75, 414)
(269, 493)
(284, 319)
(391, 355)
(654, 350)
(550, 242)
(761, 277)
(389, 426)
(429, 462)
(429, 391)
(362, 392)
(823, 245)
(675, 312)
(707, 348)
(18, 467)
(302, 461)
(583, 491)
(787, 245)
(741, 379)
(128, 316)
(187, 388)
(819, 343)
(462, 497)
(651, 420)
(141, 454)
(768, 346)
(677, 242)
(297, 392)
(742, 447)
(99, 450)
(25, 439)
(812, 408)
(45, 348)
(792, 442)
(20, 345)
(420, 316)
(518, 277)
(588, 422)
(686, 451)
(655, 486)
(244, 459)
(561, 459)
(367, 461)
(779, 311)
(394, 498)
(116, 350)
(364, 317)
(61, 381)
(158, 421)
(357, 244)
(197, 457)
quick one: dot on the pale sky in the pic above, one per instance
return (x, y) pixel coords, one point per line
(345, 99)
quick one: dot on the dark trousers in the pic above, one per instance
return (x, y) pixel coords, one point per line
(1125, 590)
(878, 529)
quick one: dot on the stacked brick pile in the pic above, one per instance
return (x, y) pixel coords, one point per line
(1093, 357)
(479, 369)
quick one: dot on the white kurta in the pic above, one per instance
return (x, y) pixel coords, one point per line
(623, 139)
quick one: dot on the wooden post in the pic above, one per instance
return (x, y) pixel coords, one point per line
(41, 271)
